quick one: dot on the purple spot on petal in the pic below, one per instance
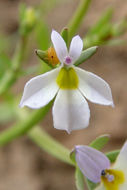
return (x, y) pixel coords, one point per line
(68, 60)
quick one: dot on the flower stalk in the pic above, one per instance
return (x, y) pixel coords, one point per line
(47, 143)
(78, 17)
(23, 126)
(11, 75)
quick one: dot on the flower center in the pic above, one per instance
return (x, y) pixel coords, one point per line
(68, 60)
(112, 179)
(52, 57)
(67, 78)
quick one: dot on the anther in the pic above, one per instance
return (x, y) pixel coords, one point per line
(110, 178)
(103, 173)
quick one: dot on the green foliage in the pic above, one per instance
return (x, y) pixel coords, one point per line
(7, 113)
(27, 18)
(72, 156)
(79, 179)
(64, 34)
(113, 155)
(86, 54)
(100, 142)
(103, 21)
(47, 143)
(42, 30)
(33, 20)
(91, 185)
(5, 64)
(104, 31)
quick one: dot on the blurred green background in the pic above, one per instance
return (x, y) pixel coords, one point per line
(23, 165)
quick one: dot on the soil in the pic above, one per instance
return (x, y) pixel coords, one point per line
(25, 166)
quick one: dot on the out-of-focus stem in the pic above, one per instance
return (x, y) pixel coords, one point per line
(11, 75)
(24, 125)
(50, 145)
(36, 134)
(78, 17)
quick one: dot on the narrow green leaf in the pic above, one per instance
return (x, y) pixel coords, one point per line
(23, 126)
(50, 145)
(29, 70)
(7, 113)
(115, 42)
(78, 17)
(86, 54)
(90, 184)
(22, 9)
(5, 64)
(42, 35)
(104, 19)
(96, 39)
(79, 179)
(64, 34)
(100, 142)
(72, 156)
(113, 155)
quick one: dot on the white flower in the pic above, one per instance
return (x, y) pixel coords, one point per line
(115, 178)
(69, 85)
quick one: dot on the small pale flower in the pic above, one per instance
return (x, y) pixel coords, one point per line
(97, 168)
(69, 85)
(91, 162)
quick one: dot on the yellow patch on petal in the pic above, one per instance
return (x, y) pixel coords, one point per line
(67, 79)
(118, 179)
(52, 57)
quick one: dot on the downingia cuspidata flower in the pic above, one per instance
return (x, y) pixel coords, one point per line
(97, 168)
(70, 85)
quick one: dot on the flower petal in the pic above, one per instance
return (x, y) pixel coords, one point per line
(75, 48)
(121, 161)
(40, 90)
(91, 162)
(94, 88)
(121, 165)
(70, 111)
(59, 45)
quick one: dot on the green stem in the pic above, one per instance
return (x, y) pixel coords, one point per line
(47, 143)
(12, 74)
(78, 17)
(23, 126)
(39, 136)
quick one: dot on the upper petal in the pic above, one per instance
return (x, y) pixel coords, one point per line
(121, 161)
(75, 48)
(59, 45)
(94, 88)
(70, 111)
(40, 90)
(120, 165)
(91, 162)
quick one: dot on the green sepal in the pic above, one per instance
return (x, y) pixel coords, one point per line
(79, 179)
(90, 184)
(86, 54)
(113, 155)
(100, 142)
(64, 34)
(43, 56)
(72, 156)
